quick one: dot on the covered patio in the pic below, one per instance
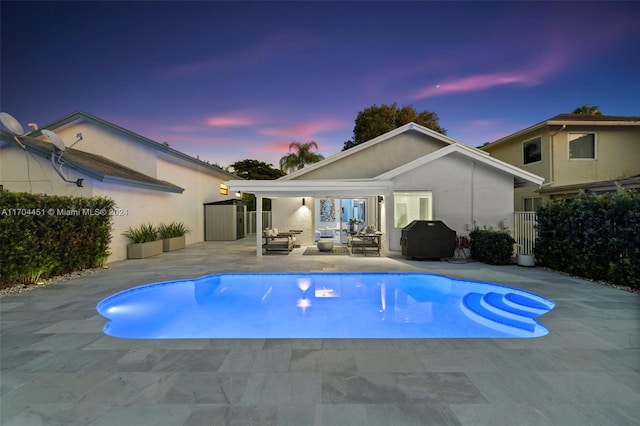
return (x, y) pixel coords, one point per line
(304, 192)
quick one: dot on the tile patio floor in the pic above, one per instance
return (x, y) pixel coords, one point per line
(58, 368)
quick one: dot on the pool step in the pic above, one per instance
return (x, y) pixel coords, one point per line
(499, 304)
(528, 303)
(512, 313)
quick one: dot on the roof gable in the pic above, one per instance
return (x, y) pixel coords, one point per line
(571, 119)
(370, 145)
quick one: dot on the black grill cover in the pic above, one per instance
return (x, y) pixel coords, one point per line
(428, 239)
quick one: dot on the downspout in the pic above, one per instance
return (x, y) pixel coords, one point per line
(551, 168)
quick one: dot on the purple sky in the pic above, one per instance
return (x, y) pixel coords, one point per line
(235, 80)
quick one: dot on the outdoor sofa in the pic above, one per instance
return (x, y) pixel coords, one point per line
(275, 241)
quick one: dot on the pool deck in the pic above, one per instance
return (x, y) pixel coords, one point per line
(58, 368)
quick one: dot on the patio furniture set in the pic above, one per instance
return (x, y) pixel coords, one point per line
(363, 243)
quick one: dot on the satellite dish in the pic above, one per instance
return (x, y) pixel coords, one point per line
(54, 139)
(11, 124)
(58, 152)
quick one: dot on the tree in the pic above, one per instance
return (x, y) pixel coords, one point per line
(587, 110)
(256, 170)
(299, 155)
(377, 120)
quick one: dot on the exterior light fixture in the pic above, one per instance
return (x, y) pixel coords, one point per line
(303, 202)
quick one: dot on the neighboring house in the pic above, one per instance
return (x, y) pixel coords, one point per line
(408, 173)
(149, 181)
(573, 152)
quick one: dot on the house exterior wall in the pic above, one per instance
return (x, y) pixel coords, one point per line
(22, 171)
(378, 158)
(289, 213)
(465, 194)
(618, 156)
(200, 187)
(618, 151)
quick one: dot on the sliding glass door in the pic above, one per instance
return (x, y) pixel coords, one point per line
(353, 216)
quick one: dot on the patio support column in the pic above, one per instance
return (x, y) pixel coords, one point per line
(258, 225)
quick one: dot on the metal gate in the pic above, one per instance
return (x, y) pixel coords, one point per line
(525, 231)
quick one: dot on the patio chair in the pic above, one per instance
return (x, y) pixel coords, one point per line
(275, 242)
(286, 234)
(366, 242)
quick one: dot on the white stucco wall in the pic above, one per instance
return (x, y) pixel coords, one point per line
(463, 194)
(199, 187)
(23, 171)
(289, 213)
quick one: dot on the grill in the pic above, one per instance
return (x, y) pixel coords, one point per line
(428, 239)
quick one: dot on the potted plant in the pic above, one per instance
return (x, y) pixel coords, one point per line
(144, 241)
(352, 225)
(173, 235)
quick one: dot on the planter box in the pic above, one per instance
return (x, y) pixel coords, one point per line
(142, 250)
(171, 244)
(526, 260)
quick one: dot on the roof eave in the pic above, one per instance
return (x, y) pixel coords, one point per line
(311, 188)
(149, 142)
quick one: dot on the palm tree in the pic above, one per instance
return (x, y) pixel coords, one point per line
(299, 155)
(587, 110)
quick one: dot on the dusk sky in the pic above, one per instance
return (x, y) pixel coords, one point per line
(227, 81)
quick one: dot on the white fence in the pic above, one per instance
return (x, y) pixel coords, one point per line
(251, 221)
(525, 231)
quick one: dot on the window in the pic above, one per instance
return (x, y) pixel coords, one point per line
(410, 206)
(532, 150)
(531, 204)
(582, 146)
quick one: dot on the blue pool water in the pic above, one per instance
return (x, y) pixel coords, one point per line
(323, 305)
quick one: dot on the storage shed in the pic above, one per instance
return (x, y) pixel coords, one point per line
(224, 220)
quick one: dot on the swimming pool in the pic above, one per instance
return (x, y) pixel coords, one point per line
(323, 305)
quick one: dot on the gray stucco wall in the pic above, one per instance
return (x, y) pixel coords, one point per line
(379, 158)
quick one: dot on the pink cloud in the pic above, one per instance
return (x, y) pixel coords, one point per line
(473, 84)
(557, 55)
(230, 121)
(303, 131)
(281, 147)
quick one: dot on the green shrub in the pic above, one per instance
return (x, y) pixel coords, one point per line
(492, 247)
(593, 236)
(46, 235)
(144, 233)
(173, 230)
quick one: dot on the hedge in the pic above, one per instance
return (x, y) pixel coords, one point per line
(593, 236)
(45, 235)
(492, 247)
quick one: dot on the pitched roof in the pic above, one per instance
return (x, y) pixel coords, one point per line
(395, 132)
(96, 166)
(573, 119)
(597, 118)
(138, 138)
(377, 185)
